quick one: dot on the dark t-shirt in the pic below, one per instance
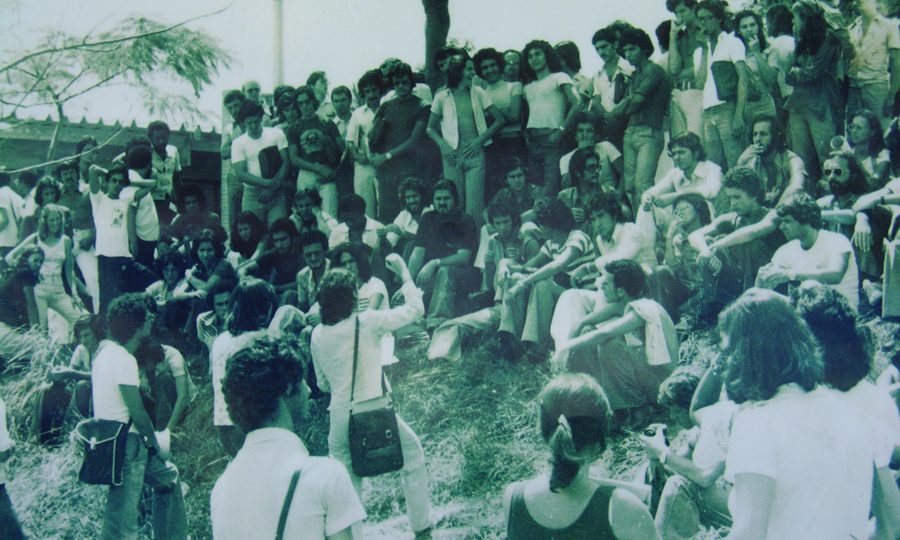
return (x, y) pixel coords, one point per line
(652, 83)
(394, 122)
(222, 269)
(279, 269)
(13, 310)
(743, 261)
(316, 141)
(444, 234)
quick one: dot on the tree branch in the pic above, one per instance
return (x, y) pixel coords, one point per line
(68, 158)
(84, 44)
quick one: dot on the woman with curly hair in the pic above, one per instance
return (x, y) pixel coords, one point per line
(574, 419)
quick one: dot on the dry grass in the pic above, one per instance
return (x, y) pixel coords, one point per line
(476, 419)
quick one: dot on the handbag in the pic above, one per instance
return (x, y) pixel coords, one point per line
(374, 435)
(104, 450)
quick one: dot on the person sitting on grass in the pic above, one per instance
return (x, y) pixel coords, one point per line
(282, 260)
(212, 323)
(694, 494)
(402, 232)
(266, 395)
(166, 387)
(574, 419)
(629, 344)
(545, 276)
(10, 529)
(307, 214)
(246, 242)
(193, 217)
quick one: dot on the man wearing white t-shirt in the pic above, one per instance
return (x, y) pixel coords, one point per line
(255, 158)
(811, 252)
(357, 139)
(113, 215)
(267, 398)
(116, 397)
(146, 221)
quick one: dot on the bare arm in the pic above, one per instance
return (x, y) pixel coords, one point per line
(240, 172)
(416, 260)
(20, 247)
(629, 518)
(181, 402)
(139, 417)
(748, 233)
(628, 322)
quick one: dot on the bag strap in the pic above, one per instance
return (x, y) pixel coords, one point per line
(355, 358)
(286, 507)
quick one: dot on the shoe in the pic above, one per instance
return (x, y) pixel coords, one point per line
(510, 347)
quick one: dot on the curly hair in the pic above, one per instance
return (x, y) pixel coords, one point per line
(360, 254)
(488, 53)
(257, 376)
(337, 296)
(760, 29)
(803, 208)
(257, 232)
(207, 235)
(638, 38)
(44, 183)
(577, 162)
(172, 258)
(553, 213)
(627, 275)
(679, 387)
(767, 345)
(553, 63)
(126, 314)
(845, 344)
(607, 203)
(574, 421)
(876, 135)
(44, 220)
(744, 179)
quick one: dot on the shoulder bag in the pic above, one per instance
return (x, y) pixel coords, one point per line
(374, 435)
(286, 506)
(103, 442)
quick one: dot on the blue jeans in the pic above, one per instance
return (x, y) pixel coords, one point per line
(543, 158)
(468, 175)
(120, 520)
(642, 148)
(722, 147)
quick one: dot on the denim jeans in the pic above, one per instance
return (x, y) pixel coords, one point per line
(446, 292)
(642, 148)
(468, 175)
(543, 159)
(446, 342)
(120, 520)
(809, 136)
(52, 295)
(327, 190)
(414, 475)
(722, 147)
(687, 112)
(871, 96)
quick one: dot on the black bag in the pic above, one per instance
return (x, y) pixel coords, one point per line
(104, 450)
(374, 434)
(269, 162)
(724, 74)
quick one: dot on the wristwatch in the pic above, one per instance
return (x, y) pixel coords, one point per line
(388, 156)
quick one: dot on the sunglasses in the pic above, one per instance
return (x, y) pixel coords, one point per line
(830, 172)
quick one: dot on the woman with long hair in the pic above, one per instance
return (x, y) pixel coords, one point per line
(58, 268)
(550, 94)
(253, 304)
(210, 266)
(867, 141)
(574, 419)
(813, 106)
(584, 173)
(799, 458)
(246, 239)
(343, 335)
(354, 257)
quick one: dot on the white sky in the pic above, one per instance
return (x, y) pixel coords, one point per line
(341, 37)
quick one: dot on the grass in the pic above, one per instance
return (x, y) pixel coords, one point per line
(476, 419)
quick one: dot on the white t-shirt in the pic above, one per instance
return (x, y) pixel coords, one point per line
(546, 101)
(246, 149)
(247, 499)
(828, 246)
(358, 128)
(502, 94)
(146, 221)
(606, 152)
(879, 411)
(815, 449)
(12, 204)
(111, 223)
(113, 366)
(711, 447)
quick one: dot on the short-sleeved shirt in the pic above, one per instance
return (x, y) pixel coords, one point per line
(308, 287)
(400, 118)
(705, 179)
(607, 154)
(873, 49)
(828, 246)
(247, 499)
(113, 366)
(163, 169)
(728, 49)
(502, 94)
(444, 107)
(245, 149)
(577, 240)
(146, 221)
(315, 139)
(442, 234)
(111, 221)
(279, 269)
(546, 101)
(359, 126)
(652, 83)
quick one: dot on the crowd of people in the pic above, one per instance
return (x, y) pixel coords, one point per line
(524, 206)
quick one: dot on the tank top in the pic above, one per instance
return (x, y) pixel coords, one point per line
(54, 257)
(593, 523)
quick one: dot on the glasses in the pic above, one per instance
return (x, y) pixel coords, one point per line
(833, 172)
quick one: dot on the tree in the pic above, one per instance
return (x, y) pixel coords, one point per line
(437, 27)
(137, 52)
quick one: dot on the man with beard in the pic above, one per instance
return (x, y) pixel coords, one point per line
(403, 230)
(441, 260)
(729, 255)
(781, 171)
(267, 398)
(812, 253)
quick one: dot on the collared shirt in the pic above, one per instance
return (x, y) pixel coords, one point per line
(777, 173)
(577, 240)
(358, 128)
(605, 86)
(728, 49)
(407, 224)
(444, 107)
(651, 83)
(341, 124)
(341, 234)
(706, 179)
(873, 50)
(247, 499)
(308, 287)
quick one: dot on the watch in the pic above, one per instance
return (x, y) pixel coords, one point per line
(388, 156)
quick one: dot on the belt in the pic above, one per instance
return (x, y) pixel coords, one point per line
(685, 85)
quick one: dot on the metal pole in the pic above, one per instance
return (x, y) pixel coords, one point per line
(279, 42)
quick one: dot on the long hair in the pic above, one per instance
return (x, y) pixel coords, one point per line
(815, 28)
(766, 345)
(360, 254)
(760, 29)
(574, 422)
(206, 235)
(553, 62)
(876, 137)
(44, 183)
(856, 184)
(43, 221)
(701, 207)
(252, 304)
(845, 344)
(257, 232)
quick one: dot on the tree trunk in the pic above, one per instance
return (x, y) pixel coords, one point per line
(59, 123)
(437, 26)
